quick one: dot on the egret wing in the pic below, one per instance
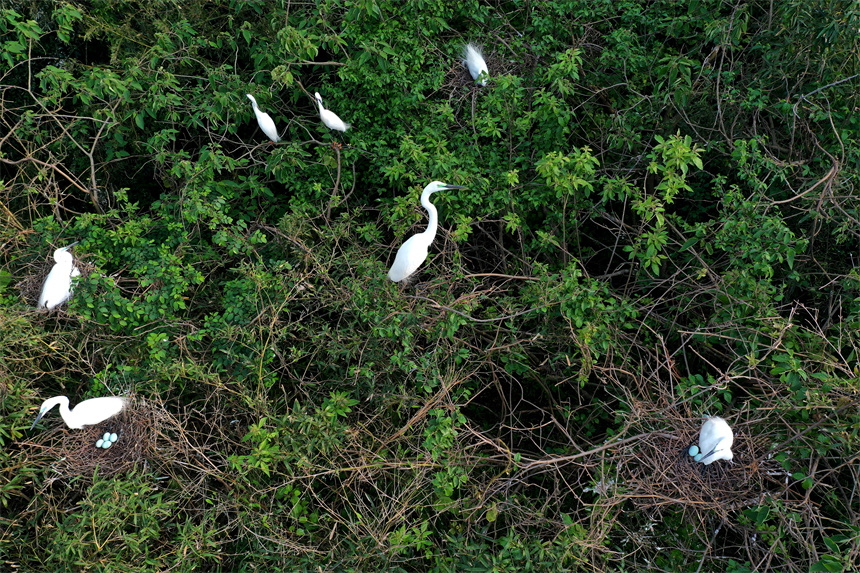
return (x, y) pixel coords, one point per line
(97, 410)
(57, 288)
(409, 257)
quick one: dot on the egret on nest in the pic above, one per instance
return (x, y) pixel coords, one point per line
(413, 252)
(58, 286)
(329, 118)
(715, 442)
(87, 413)
(265, 121)
(474, 60)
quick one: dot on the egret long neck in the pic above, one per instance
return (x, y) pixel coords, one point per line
(63, 401)
(433, 223)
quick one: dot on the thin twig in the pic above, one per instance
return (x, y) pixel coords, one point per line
(449, 309)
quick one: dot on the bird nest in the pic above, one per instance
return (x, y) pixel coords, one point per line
(142, 428)
(30, 286)
(656, 471)
(458, 75)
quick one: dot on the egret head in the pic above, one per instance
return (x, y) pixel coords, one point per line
(250, 97)
(63, 255)
(318, 97)
(435, 186)
(46, 407)
(719, 452)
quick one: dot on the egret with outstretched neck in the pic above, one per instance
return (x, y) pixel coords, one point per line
(474, 60)
(329, 118)
(413, 252)
(715, 442)
(58, 285)
(265, 121)
(87, 413)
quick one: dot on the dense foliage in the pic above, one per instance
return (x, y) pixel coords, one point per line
(661, 222)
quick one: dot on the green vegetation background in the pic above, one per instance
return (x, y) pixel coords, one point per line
(661, 223)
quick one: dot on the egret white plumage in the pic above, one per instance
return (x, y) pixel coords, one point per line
(329, 118)
(87, 413)
(474, 60)
(265, 121)
(413, 252)
(58, 285)
(715, 441)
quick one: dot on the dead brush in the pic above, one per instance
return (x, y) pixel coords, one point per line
(656, 471)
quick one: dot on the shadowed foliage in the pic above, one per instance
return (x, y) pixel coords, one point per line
(659, 223)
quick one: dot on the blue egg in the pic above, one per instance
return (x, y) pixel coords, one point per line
(99, 443)
(106, 437)
(698, 457)
(113, 438)
(694, 450)
(106, 445)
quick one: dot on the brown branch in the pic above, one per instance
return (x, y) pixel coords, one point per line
(443, 307)
(501, 276)
(53, 166)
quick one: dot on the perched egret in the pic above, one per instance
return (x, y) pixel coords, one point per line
(474, 60)
(715, 441)
(58, 286)
(87, 413)
(413, 252)
(265, 121)
(329, 118)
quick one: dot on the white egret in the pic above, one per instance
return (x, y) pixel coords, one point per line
(87, 413)
(715, 441)
(474, 60)
(413, 252)
(58, 286)
(265, 121)
(329, 118)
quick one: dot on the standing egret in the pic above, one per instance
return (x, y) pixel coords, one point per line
(87, 413)
(413, 252)
(58, 286)
(329, 118)
(474, 60)
(265, 121)
(715, 441)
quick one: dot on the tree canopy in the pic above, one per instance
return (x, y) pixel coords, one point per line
(660, 222)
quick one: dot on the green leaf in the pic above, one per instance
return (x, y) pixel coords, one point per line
(827, 564)
(689, 243)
